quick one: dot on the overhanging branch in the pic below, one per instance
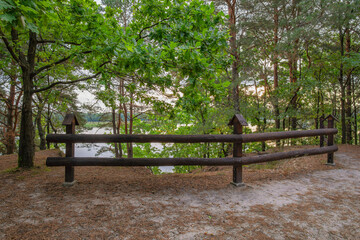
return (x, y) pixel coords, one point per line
(55, 63)
(151, 26)
(65, 82)
(54, 41)
(9, 48)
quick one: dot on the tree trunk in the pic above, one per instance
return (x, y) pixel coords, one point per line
(118, 132)
(235, 98)
(343, 112)
(292, 61)
(348, 94)
(293, 102)
(114, 131)
(342, 89)
(26, 144)
(293, 79)
(263, 144)
(355, 126)
(317, 110)
(48, 119)
(276, 77)
(348, 110)
(131, 119)
(10, 129)
(126, 125)
(355, 113)
(40, 131)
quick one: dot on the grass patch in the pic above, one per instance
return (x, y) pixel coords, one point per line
(38, 170)
(12, 170)
(33, 171)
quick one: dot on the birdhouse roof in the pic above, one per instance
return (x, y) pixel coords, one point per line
(68, 119)
(239, 118)
(331, 116)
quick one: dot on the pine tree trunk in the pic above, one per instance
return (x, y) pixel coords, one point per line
(48, 119)
(118, 132)
(235, 98)
(317, 110)
(126, 127)
(263, 144)
(343, 113)
(355, 113)
(114, 131)
(121, 92)
(10, 130)
(348, 110)
(40, 131)
(355, 126)
(276, 77)
(348, 94)
(342, 89)
(293, 103)
(131, 119)
(292, 61)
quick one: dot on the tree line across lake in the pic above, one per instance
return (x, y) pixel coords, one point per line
(183, 66)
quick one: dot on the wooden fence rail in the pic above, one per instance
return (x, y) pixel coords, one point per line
(237, 161)
(139, 138)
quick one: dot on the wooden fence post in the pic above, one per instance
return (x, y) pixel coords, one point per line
(70, 122)
(330, 142)
(322, 119)
(238, 121)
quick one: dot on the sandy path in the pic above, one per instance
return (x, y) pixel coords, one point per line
(317, 205)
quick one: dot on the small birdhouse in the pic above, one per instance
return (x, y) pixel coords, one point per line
(238, 118)
(69, 119)
(331, 117)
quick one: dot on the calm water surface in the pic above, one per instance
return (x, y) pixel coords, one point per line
(102, 149)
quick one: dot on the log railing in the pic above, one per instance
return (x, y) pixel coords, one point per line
(237, 161)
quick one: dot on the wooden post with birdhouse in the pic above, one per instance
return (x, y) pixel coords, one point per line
(238, 122)
(70, 122)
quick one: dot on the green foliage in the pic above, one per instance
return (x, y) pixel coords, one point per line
(170, 60)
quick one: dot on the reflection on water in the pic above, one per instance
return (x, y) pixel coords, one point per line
(104, 150)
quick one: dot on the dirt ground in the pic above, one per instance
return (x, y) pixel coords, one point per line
(295, 199)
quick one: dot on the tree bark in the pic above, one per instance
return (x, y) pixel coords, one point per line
(41, 132)
(131, 119)
(234, 92)
(114, 131)
(355, 113)
(118, 132)
(292, 62)
(26, 144)
(293, 73)
(48, 119)
(355, 126)
(348, 110)
(276, 77)
(342, 89)
(10, 129)
(348, 94)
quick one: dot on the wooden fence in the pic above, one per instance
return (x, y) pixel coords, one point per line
(237, 138)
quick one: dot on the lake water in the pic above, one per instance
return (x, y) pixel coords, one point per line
(102, 149)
